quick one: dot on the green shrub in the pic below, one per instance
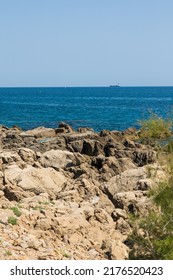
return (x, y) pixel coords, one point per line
(155, 127)
(152, 236)
(12, 221)
(16, 211)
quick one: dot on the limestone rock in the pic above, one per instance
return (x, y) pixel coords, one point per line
(27, 155)
(40, 132)
(56, 159)
(9, 157)
(118, 251)
(91, 147)
(35, 180)
(144, 156)
(125, 181)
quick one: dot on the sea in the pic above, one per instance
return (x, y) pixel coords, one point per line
(112, 108)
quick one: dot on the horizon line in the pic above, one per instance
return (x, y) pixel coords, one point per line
(98, 86)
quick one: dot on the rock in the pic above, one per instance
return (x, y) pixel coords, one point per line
(129, 143)
(125, 181)
(79, 136)
(39, 132)
(5, 214)
(66, 126)
(60, 130)
(119, 213)
(113, 165)
(123, 226)
(74, 191)
(130, 131)
(126, 164)
(1, 193)
(91, 147)
(98, 161)
(102, 216)
(9, 157)
(56, 159)
(130, 201)
(144, 184)
(77, 146)
(27, 155)
(85, 129)
(111, 147)
(118, 250)
(144, 156)
(88, 147)
(1, 180)
(35, 180)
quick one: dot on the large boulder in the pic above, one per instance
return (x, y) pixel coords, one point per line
(125, 181)
(57, 159)
(132, 201)
(32, 180)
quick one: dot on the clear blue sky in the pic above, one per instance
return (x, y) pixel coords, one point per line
(86, 42)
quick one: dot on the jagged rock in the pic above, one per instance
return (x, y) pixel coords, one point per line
(77, 146)
(119, 213)
(72, 205)
(130, 201)
(56, 159)
(102, 216)
(125, 181)
(60, 130)
(79, 136)
(5, 214)
(91, 147)
(85, 129)
(9, 157)
(145, 184)
(130, 131)
(111, 147)
(129, 143)
(66, 126)
(35, 180)
(118, 250)
(126, 164)
(123, 226)
(39, 132)
(111, 165)
(27, 155)
(144, 156)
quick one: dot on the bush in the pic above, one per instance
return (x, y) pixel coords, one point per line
(152, 236)
(155, 127)
(16, 211)
(12, 221)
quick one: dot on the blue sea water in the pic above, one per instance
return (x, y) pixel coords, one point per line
(113, 108)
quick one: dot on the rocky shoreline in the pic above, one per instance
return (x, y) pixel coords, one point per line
(66, 194)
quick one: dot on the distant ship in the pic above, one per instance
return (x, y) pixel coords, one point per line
(118, 85)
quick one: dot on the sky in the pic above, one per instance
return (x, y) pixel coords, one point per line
(86, 43)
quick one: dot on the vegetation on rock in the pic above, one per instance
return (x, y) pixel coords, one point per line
(155, 127)
(152, 236)
(12, 221)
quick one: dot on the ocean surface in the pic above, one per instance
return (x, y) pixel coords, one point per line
(113, 108)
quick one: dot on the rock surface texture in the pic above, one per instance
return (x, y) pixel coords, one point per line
(66, 194)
